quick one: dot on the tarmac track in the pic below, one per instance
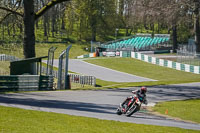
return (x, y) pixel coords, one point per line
(102, 104)
(82, 67)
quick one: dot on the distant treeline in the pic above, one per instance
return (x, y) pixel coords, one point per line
(102, 20)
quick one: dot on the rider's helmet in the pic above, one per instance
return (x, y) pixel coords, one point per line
(143, 89)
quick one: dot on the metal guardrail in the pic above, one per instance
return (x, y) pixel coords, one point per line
(26, 83)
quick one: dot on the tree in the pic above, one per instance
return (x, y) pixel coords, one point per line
(196, 23)
(178, 11)
(160, 13)
(92, 18)
(29, 19)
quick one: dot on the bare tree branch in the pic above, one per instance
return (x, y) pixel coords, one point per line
(11, 11)
(47, 7)
(7, 15)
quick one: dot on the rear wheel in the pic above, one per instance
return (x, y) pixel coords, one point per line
(131, 110)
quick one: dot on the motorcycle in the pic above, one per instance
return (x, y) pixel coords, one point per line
(131, 105)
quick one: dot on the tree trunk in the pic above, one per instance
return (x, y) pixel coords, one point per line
(8, 30)
(80, 30)
(20, 28)
(14, 30)
(121, 7)
(3, 32)
(158, 28)
(63, 23)
(53, 21)
(153, 30)
(29, 35)
(56, 20)
(174, 37)
(45, 26)
(94, 33)
(168, 30)
(93, 26)
(131, 30)
(37, 8)
(196, 27)
(127, 33)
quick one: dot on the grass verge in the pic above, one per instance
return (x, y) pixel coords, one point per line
(42, 49)
(76, 50)
(27, 121)
(164, 75)
(186, 110)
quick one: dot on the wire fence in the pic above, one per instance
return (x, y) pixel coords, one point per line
(4, 57)
(187, 54)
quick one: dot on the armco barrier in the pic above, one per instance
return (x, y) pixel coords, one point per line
(166, 63)
(157, 61)
(26, 83)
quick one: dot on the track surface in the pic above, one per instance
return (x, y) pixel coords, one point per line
(79, 66)
(102, 104)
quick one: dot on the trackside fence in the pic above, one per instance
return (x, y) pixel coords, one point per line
(4, 57)
(82, 80)
(166, 63)
(76, 80)
(161, 62)
(26, 83)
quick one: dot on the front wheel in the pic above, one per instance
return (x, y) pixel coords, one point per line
(131, 110)
(119, 112)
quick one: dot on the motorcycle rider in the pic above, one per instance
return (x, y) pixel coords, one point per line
(141, 94)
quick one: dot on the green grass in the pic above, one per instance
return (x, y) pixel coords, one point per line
(76, 50)
(4, 67)
(26, 121)
(12, 49)
(103, 83)
(164, 75)
(42, 49)
(186, 110)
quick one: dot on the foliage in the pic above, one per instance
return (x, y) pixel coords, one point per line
(89, 19)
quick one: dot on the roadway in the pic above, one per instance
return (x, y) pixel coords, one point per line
(102, 104)
(106, 74)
